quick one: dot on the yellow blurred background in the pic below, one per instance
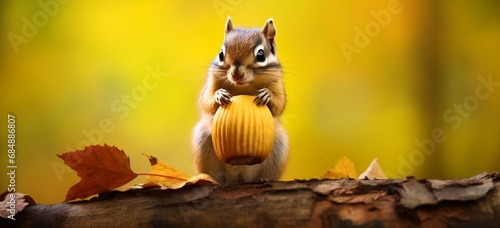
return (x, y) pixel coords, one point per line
(413, 83)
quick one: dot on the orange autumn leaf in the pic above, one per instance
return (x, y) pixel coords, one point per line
(343, 169)
(101, 168)
(167, 177)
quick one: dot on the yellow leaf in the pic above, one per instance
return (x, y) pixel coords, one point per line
(162, 172)
(343, 169)
(168, 177)
(201, 179)
(374, 171)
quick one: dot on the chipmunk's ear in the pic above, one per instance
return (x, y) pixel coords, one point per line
(229, 25)
(269, 31)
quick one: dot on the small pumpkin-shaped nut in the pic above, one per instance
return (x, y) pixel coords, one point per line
(242, 132)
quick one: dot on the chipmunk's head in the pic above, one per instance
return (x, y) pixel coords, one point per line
(247, 55)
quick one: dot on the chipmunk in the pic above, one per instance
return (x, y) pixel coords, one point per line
(246, 65)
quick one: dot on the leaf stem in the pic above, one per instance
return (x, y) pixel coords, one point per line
(159, 175)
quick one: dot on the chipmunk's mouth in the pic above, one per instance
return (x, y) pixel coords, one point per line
(240, 82)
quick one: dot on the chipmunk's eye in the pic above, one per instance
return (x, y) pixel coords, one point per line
(260, 57)
(221, 56)
(222, 53)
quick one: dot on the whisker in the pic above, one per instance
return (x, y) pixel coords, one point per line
(295, 83)
(200, 76)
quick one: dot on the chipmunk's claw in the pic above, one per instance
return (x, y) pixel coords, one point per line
(263, 96)
(222, 97)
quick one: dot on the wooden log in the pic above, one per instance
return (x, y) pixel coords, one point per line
(406, 202)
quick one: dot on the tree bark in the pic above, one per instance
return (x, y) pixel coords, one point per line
(406, 202)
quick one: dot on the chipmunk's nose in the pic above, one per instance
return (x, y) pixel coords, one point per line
(237, 72)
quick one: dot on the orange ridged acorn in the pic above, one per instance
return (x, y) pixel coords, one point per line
(242, 132)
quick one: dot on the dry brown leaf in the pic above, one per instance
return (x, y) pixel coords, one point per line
(167, 177)
(343, 169)
(374, 171)
(12, 204)
(101, 168)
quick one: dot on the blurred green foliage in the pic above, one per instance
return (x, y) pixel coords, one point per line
(394, 80)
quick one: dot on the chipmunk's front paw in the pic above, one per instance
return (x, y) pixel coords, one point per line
(222, 97)
(263, 96)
